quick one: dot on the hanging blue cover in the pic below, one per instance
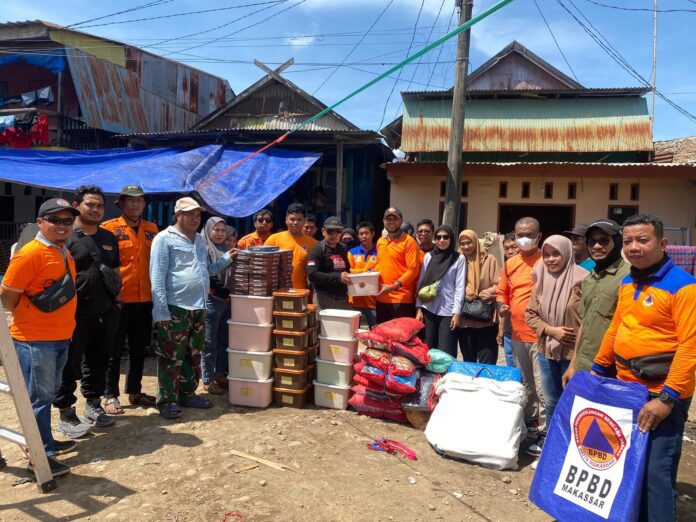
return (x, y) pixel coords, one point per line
(238, 193)
(594, 454)
(53, 60)
(488, 371)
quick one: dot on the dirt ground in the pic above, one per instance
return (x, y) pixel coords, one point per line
(147, 468)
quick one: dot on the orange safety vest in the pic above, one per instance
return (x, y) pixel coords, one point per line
(134, 255)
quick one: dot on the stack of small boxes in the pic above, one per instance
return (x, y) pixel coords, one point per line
(261, 270)
(295, 347)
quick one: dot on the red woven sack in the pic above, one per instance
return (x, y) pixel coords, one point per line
(400, 329)
(377, 358)
(415, 350)
(373, 407)
(401, 366)
(373, 340)
(372, 374)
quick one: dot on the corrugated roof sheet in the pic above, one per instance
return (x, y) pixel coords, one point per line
(550, 125)
(526, 93)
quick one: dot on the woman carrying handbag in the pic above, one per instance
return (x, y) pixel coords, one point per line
(440, 292)
(478, 328)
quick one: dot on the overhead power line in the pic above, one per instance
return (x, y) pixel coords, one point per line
(555, 41)
(614, 54)
(132, 9)
(646, 9)
(357, 44)
(439, 51)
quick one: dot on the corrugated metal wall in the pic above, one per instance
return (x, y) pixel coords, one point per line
(551, 125)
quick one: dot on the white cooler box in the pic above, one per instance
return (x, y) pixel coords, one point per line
(252, 309)
(339, 324)
(337, 350)
(364, 284)
(250, 337)
(247, 392)
(249, 365)
(334, 373)
(328, 396)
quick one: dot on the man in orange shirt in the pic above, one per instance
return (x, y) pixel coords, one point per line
(514, 291)
(295, 240)
(263, 223)
(398, 264)
(134, 236)
(41, 338)
(363, 258)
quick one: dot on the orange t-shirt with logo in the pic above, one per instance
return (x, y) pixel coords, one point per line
(398, 259)
(515, 290)
(300, 247)
(134, 256)
(33, 268)
(250, 240)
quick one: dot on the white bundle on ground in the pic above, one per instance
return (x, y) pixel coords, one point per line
(477, 419)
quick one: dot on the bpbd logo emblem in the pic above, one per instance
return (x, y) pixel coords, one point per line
(599, 438)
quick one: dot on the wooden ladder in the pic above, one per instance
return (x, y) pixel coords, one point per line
(30, 438)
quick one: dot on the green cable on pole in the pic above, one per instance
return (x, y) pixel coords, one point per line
(408, 60)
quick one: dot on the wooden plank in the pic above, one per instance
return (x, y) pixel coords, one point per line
(269, 463)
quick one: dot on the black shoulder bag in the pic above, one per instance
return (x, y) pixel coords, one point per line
(111, 277)
(58, 294)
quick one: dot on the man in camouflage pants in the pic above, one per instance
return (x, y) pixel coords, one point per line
(180, 276)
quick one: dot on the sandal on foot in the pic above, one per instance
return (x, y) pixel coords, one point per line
(141, 399)
(170, 411)
(197, 402)
(112, 406)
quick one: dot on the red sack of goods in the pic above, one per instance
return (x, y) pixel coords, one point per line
(368, 389)
(377, 358)
(401, 366)
(373, 340)
(372, 374)
(401, 385)
(400, 329)
(387, 408)
(415, 350)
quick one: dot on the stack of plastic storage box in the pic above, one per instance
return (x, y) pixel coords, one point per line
(295, 351)
(261, 270)
(338, 346)
(249, 355)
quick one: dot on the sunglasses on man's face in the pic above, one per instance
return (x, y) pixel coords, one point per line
(604, 241)
(264, 220)
(55, 220)
(440, 237)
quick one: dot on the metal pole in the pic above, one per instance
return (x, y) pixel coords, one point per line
(453, 187)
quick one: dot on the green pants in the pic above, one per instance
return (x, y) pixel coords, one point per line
(179, 355)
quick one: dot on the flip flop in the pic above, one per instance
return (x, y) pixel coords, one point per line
(170, 411)
(142, 399)
(112, 406)
(198, 402)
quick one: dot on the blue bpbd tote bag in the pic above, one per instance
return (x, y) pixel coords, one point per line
(594, 455)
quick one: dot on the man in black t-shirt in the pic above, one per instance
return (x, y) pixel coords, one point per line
(328, 268)
(95, 252)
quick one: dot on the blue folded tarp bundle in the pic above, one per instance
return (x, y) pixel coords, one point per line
(245, 189)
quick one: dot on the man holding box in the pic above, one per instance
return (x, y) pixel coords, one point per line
(328, 268)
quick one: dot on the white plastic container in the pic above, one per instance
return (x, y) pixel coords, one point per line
(337, 350)
(250, 337)
(334, 373)
(339, 324)
(249, 365)
(252, 309)
(366, 283)
(251, 393)
(328, 396)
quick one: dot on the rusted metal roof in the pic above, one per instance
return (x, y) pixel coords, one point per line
(523, 125)
(274, 103)
(585, 92)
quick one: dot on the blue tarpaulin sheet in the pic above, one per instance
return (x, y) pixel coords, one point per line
(238, 193)
(53, 60)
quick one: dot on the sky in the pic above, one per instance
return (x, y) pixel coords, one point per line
(321, 36)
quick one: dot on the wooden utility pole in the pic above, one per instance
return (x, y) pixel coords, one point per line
(654, 68)
(453, 188)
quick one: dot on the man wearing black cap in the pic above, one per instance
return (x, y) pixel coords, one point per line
(328, 268)
(582, 255)
(600, 292)
(134, 236)
(43, 268)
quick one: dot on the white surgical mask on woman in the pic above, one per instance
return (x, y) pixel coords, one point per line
(526, 243)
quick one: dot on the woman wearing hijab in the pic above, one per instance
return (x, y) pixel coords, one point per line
(552, 313)
(216, 311)
(440, 292)
(478, 332)
(349, 238)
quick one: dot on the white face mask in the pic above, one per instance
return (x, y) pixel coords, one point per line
(526, 243)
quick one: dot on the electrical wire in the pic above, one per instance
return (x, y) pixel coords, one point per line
(439, 51)
(357, 44)
(602, 41)
(132, 9)
(415, 27)
(556, 41)
(188, 13)
(646, 9)
(430, 34)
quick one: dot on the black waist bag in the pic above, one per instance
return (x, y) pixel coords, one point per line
(58, 294)
(110, 276)
(651, 368)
